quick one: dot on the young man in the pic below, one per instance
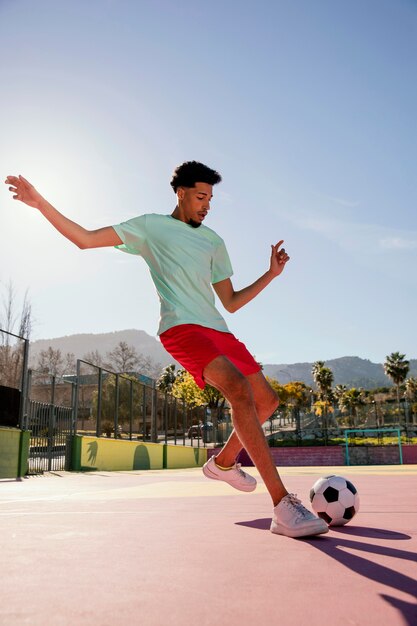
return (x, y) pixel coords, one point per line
(187, 260)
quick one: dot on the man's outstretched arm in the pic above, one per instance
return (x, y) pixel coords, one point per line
(83, 238)
(233, 300)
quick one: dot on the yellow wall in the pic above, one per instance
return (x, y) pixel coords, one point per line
(176, 457)
(92, 453)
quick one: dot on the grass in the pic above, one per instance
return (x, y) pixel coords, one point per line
(339, 441)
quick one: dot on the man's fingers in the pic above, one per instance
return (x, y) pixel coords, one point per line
(281, 255)
(25, 181)
(277, 245)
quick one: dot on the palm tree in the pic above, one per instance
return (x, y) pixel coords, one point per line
(339, 390)
(350, 401)
(411, 393)
(317, 366)
(396, 367)
(411, 388)
(323, 377)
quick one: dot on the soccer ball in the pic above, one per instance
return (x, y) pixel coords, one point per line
(334, 499)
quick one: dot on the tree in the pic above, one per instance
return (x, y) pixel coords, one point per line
(411, 388)
(50, 362)
(70, 364)
(396, 367)
(148, 367)
(297, 393)
(317, 367)
(11, 350)
(184, 388)
(166, 380)
(279, 389)
(94, 357)
(323, 378)
(411, 391)
(338, 391)
(215, 401)
(350, 401)
(123, 358)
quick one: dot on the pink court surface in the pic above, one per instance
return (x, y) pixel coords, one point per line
(171, 547)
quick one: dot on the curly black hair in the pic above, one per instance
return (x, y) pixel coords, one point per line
(191, 172)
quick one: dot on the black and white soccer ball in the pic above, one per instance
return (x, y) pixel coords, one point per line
(334, 499)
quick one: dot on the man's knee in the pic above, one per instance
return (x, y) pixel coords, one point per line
(271, 402)
(274, 404)
(267, 403)
(239, 389)
(223, 375)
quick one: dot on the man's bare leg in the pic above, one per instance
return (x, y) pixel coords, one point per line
(266, 401)
(235, 387)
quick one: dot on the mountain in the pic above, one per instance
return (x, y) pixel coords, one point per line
(79, 345)
(348, 370)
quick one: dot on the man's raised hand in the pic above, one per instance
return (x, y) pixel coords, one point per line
(279, 258)
(24, 191)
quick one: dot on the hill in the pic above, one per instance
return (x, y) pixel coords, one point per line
(80, 344)
(349, 370)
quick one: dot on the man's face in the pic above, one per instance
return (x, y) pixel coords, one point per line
(194, 203)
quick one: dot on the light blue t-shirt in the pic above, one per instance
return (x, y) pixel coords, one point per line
(184, 262)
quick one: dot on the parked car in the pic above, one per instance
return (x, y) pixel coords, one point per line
(205, 431)
(194, 432)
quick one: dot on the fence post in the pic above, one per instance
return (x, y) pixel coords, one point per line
(77, 391)
(27, 401)
(99, 392)
(144, 414)
(131, 411)
(116, 408)
(166, 417)
(51, 424)
(154, 429)
(23, 418)
(74, 387)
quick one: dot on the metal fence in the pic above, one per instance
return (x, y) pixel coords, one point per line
(51, 429)
(102, 403)
(49, 415)
(123, 406)
(302, 425)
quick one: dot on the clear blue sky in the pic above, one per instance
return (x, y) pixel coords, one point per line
(306, 108)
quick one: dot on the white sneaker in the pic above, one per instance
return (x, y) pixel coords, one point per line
(292, 519)
(235, 476)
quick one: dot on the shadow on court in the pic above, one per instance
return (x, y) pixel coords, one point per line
(340, 548)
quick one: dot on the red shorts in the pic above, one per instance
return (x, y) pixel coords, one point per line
(194, 347)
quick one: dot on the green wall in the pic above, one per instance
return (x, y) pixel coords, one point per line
(14, 451)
